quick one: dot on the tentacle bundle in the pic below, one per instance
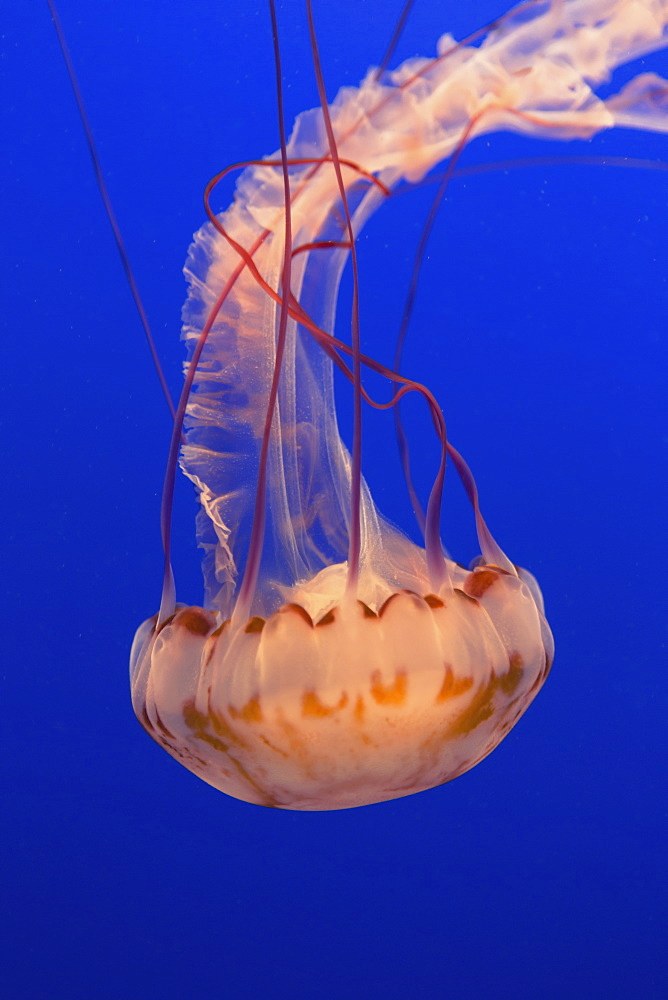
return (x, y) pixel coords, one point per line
(536, 74)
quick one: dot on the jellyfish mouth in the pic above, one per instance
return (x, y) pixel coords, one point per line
(358, 705)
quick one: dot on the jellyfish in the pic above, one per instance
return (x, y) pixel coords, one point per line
(336, 662)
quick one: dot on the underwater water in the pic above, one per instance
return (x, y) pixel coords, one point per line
(540, 326)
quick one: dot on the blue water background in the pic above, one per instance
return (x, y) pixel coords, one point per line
(541, 327)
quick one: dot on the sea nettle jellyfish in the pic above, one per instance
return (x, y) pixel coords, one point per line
(335, 662)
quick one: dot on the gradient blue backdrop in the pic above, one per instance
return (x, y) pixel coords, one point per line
(541, 326)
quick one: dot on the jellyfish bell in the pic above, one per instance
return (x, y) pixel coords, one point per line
(356, 706)
(336, 662)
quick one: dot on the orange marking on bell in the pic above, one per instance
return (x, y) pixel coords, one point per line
(452, 686)
(250, 712)
(255, 624)
(477, 583)
(391, 694)
(312, 706)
